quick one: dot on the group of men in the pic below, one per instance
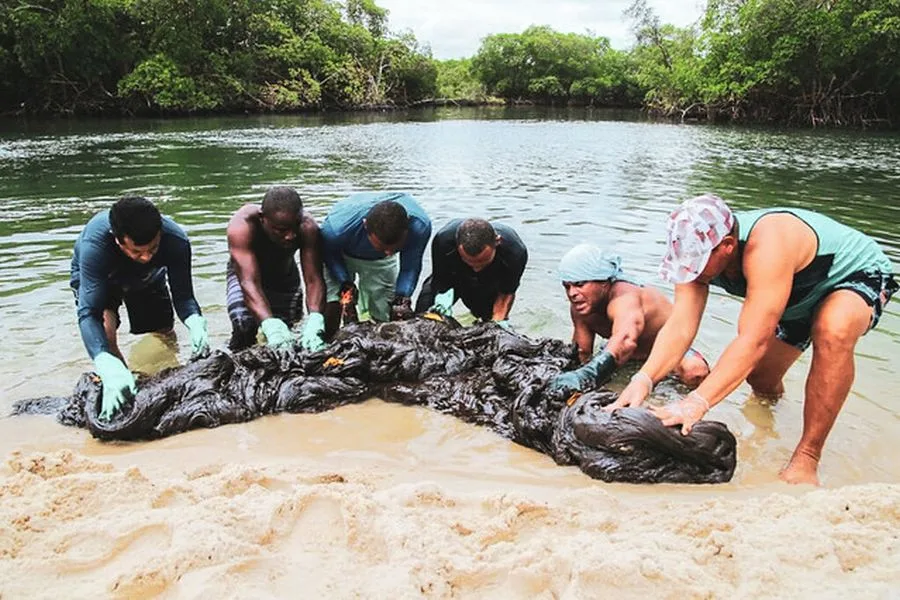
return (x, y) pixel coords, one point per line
(806, 278)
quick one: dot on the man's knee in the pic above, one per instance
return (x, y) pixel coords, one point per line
(833, 335)
(840, 321)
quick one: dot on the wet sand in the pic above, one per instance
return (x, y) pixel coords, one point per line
(385, 501)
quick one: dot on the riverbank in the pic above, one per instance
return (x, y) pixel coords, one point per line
(274, 527)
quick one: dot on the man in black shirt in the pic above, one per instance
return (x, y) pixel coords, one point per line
(477, 262)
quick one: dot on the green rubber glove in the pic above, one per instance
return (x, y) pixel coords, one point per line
(505, 325)
(443, 303)
(311, 340)
(596, 371)
(118, 384)
(196, 324)
(277, 333)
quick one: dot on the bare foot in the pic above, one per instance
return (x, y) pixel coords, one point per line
(801, 469)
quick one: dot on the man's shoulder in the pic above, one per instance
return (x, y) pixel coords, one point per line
(173, 234)
(510, 243)
(97, 226)
(309, 224)
(631, 291)
(347, 212)
(506, 231)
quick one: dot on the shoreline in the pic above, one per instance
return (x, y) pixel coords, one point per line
(272, 527)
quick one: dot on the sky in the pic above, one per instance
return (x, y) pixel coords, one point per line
(454, 28)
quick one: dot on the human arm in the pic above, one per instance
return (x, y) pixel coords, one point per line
(515, 258)
(311, 263)
(672, 341)
(502, 305)
(118, 382)
(626, 313)
(411, 257)
(582, 336)
(177, 259)
(769, 263)
(178, 268)
(246, 267)
(94, 263)
(333, 253)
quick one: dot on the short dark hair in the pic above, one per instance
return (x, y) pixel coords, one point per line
(135, 217)
(474, 234)
(388, 221)
(281, 198)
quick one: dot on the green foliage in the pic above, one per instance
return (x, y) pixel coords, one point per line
(205, 55)
(159, 82)
(55, 53)
(802, 61)
(456, 80)
(546, 66)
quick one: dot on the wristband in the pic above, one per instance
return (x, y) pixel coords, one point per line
(700, 398)
(645, 378)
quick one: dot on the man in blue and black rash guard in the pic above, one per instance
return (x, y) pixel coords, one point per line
(362, 236)
(125, 254)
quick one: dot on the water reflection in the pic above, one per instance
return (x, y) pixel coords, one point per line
(559, 177)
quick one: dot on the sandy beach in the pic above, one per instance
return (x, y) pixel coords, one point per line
(239, 517)
(80, 527)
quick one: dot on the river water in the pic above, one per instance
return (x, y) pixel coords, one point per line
(558, 177)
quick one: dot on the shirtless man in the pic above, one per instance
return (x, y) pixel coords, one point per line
(607, 302)
(263, 282)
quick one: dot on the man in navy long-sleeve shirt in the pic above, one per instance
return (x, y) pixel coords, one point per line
(362, 236)
(126, 254)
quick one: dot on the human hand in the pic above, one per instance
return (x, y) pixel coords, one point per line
(569, 382)
(596, 371)
(686, 412)
(505, 325)
(401, 308)
(311, 339)
(634, 393)
(278, 334)
(443, 303)
(349, 294)
(197, 327)
(118, 384)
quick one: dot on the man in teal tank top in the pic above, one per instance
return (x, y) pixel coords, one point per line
(806, 279)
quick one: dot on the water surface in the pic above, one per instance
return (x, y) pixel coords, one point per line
(558, 177)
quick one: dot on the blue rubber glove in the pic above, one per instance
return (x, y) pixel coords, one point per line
(277, 333)
(443, 303)
(196, 324)
(596, 371)
(313, 331)
(118, 384)
(505, 325)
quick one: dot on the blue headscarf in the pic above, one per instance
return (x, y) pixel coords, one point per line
(587, 262)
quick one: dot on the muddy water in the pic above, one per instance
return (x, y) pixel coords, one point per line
(558, 178)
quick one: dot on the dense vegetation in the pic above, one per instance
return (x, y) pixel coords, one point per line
(204, 55)
(813, 62)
